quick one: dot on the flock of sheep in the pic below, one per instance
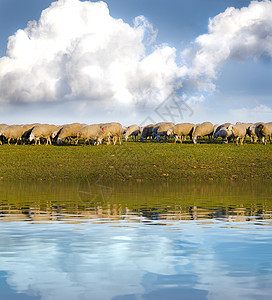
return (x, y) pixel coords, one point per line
(97, 133)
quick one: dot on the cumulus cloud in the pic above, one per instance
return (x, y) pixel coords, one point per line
(235, 34)
(78, 51)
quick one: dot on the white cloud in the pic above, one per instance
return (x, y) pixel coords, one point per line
(256, 114)
(78, 51)
(235, 34)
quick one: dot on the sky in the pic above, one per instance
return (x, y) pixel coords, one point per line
(134, 61)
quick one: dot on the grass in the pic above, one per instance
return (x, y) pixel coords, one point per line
(137, 162)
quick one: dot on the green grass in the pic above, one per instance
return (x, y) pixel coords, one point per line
(137, 162)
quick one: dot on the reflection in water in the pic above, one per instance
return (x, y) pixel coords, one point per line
(196, 201)
(90, 241)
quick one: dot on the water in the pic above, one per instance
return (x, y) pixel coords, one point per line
(140, 241)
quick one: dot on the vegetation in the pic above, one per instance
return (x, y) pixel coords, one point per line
(138, 162)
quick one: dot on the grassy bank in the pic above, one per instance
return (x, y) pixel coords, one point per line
(137, 162)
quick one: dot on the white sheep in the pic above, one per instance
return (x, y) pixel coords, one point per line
(238, 132)
(112, 130)
(181, 130)
(155, 129)
(2, 126)
(163, 131)
(134, 131)
(264, 130)
(251, 133)
(217, 127)
(201, 130)
(89, 132)
(42, 131)
(69, 131)
(14, 132)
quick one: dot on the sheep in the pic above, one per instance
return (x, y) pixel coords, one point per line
(155, 129)
(147, 132)
(263, 130)
(113, 130)
(12, 132)
(89, 132)
(181, 130)
(221, 132)
(204, 129)
(125, 128)
(42, 131)
(217, 127)
(27, 128)
(134, 131)
(238, 132)
(55, 133)
(163, 130)
(224, 134)
(251, 133)
(69, 131)
(2, 126)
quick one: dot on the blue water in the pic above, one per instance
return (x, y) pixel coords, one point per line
(127, 255)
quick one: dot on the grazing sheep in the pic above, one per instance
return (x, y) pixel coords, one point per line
(181, 130)
(251, 133)
(125, 128)
(42, 131)
(147, 132)
(163, 130)
(2, 126)
(204, 129)
(14, 132)
(217, 127)
(238, 132)
(263, 130)
(69, 131)
(221, 132)
(134, 131)
(27, 128)
(155, 129)
(224, 134)
(112, 130)
(89, 132)
(55, 133)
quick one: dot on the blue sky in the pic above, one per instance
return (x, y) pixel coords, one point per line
(239, 91)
